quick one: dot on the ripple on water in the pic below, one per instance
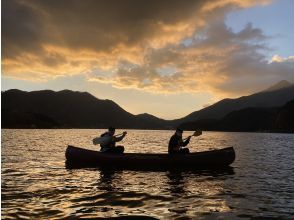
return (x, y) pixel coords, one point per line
(35, 184)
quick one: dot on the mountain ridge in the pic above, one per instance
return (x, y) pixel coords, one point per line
(260, 99)
(274, 119)
(280, 85)
(75, 109)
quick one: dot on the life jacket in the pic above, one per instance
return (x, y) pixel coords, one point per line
(105, 133)
(105, 147)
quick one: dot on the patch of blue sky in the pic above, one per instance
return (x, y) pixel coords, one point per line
(198, 37)
(103, 73)
(167, 70)
(187, 42)
(126, 65)
(276, 20)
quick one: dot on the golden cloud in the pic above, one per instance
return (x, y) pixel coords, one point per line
(165, 46)
(278, 59)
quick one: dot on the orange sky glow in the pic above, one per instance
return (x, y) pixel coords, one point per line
(148, 56)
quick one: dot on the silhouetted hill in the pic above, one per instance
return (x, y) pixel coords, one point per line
(154, 121)
(250, 119)
(277, 95)
(280, 85)
(71, 110)
(27, 120)
(285, 118)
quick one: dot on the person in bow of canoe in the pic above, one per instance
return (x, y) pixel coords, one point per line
(176, 143)
(109, 145)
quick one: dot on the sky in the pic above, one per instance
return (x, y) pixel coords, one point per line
(164, 57)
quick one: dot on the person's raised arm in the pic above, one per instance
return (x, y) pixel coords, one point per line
(119, 138)
(186, 142)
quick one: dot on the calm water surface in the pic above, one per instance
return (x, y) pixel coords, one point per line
(36, 185)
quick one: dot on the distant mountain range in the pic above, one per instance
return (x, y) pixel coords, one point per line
(280, 85)
(69, 109)
(278, 119)
(275, 96)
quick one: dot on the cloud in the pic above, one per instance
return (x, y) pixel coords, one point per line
(216, 60)
(92, 25)
(279, 59)
(49, 39)
(165, 46)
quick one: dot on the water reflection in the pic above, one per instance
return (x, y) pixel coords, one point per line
(106, 179)
(169, 194)
(35, 184)
(177, 179)
(176, 183)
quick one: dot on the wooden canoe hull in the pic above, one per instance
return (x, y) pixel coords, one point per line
(82, 158)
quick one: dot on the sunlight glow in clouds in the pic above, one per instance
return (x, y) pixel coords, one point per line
(155, 46)
(278, 59)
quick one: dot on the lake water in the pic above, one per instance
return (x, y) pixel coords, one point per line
(36, 185)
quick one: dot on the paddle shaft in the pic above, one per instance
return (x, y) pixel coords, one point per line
(194, 134)
(118, 134)
(187, 137)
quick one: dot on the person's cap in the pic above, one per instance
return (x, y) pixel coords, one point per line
(179, 130)
(111, 129)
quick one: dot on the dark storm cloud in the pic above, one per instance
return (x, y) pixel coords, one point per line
(91, 24)
(22, 28)
(139, 43)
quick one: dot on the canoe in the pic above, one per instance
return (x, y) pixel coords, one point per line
(83, 158)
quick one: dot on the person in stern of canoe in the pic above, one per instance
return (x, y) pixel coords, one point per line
(176, 143)
(109, 145)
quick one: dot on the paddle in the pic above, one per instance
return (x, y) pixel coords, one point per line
(195, 134)
(101, 140)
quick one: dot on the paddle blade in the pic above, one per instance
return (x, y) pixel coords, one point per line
(101, 140)
(197, 133)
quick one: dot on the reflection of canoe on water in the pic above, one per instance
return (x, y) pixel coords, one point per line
(78, 157)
